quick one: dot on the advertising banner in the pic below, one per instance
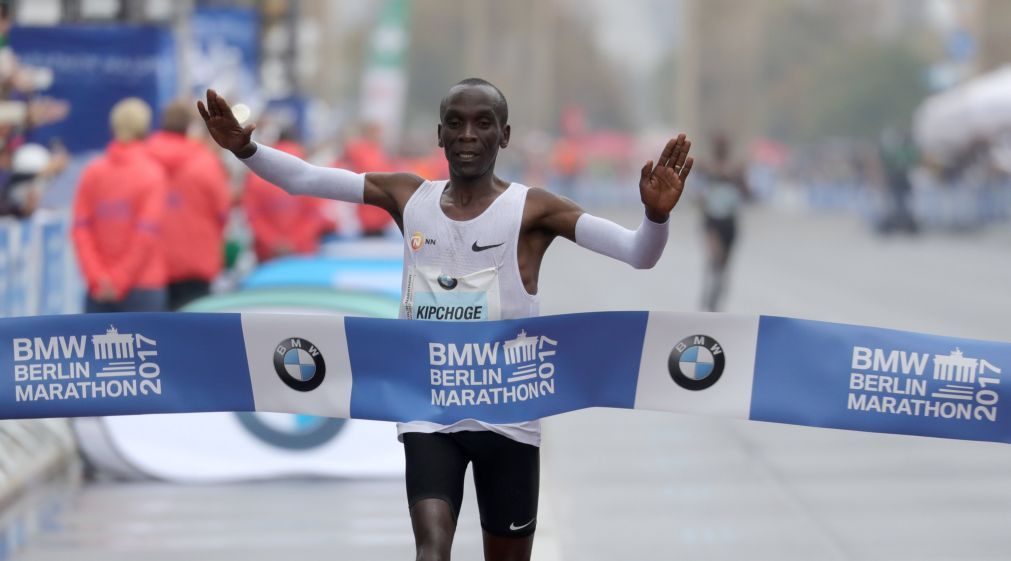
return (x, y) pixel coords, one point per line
(761, 368)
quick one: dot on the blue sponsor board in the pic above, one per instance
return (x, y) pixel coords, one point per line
(95, 66)
(501, 372)
(123, 364)
(864, 378)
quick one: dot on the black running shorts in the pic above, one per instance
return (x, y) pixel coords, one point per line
(506, 476)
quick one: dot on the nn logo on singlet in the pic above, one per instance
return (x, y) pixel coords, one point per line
(418, 240)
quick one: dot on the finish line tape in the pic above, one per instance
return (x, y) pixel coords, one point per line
(761, 368)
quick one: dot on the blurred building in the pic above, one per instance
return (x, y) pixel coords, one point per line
(995, 41)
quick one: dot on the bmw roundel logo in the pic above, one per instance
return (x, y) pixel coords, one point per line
(696, 362)
(447, 282)
(299, 364)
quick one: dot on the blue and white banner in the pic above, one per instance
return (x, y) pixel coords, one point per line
(750, 367)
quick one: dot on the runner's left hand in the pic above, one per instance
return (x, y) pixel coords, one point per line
(660, 187)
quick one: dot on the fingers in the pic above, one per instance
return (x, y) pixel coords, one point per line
(647, 169)
(669, 149)
(203, 111)
(223, 108)
(212, 106)
(675, 152)
(685, 170)
(680, 147)
(678, 159)
(247, 132)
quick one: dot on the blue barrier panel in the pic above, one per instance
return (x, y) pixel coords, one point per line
(7, 249)
(53, 239)
(21, 269)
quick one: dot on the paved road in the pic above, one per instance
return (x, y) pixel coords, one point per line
(643, 486)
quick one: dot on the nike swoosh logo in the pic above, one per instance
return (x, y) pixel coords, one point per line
(476, 247)
(513, 526)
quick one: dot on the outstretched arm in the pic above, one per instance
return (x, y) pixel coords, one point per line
(660, 189)
(388, 191)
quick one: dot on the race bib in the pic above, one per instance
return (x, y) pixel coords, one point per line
(432, 295)
(721, 199)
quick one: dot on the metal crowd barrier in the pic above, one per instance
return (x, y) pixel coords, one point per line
(38, 271)
(39, 466)
(29, 449)
(39, 474)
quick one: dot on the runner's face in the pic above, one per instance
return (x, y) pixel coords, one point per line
(471, 132)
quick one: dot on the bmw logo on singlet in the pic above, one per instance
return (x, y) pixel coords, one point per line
(447, 282)
(299, 364)
(696, 362)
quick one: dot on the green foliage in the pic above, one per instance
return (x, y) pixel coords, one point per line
(828, 74)
(855, 92)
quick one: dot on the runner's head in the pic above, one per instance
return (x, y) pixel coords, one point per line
(473, 126)
(721, 146)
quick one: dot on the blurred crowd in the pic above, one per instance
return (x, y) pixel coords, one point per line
(898, 188)
(24, 167)
(150, 214)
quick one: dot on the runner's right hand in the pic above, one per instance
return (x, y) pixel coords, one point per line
(224, 128)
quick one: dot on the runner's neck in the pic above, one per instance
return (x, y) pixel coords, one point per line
(462, 200)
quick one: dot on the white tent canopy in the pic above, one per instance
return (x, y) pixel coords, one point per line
(947, 123)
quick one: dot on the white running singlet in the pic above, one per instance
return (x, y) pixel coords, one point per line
(465, 270)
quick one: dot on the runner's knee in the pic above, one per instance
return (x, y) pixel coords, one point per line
(499, 548)
(434, 525)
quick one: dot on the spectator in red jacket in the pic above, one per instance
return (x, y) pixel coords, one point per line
(366, 154)
(118, 212)
(196, 208)
(282, 224)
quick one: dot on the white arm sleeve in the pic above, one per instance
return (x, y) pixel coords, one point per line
(640, 248)
(299, 177)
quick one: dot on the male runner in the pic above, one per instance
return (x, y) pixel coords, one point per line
(724, 191)
(473, 250)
